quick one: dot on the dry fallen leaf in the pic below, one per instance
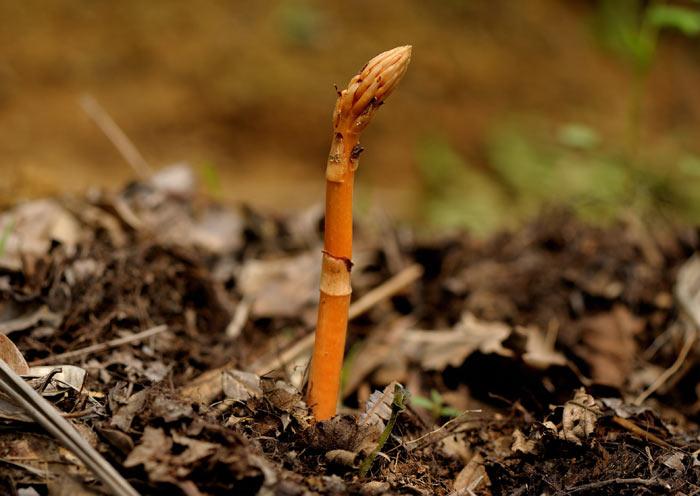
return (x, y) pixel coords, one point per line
(580, 417)
(539, 350)
(12, 356)
(435, 350)
(473, 476)
(70, 376)
(521, 443)
(675, 461)
(608, 344)
(154, 454)
(17, 318)
(241, 386)
(31, 228)
(687, 288)
(378, 408)
(162, 206)
(281, 287)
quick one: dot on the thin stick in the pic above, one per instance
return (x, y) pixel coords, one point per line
(639, 432)
(440, 428)
(46, 415)
(101, 346)
(618, 481)
(690, 337)
(385, 290)
(353, 112)
(114, 133)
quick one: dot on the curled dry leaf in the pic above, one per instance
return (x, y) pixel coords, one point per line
(622, 409)
(241, 386)
(378, 408)
(69, 376)
(580, 417)
(675, 461)
(12, 356)
(521, 443)
(435, 350)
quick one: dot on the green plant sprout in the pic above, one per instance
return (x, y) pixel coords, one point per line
(211, 179)
(7, 230)
(631, 28)
(435, 405)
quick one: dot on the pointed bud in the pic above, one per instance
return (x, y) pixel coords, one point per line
(368, 89)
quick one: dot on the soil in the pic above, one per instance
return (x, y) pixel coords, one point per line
(525, 354)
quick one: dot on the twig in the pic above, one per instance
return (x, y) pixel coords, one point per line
(386, 290)
(618, 481)
(101, 346)
(46, 415)
(114, 133)
(440, 428)
(690, 337)
(638, 431)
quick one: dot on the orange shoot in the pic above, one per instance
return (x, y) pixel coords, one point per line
(353, 111)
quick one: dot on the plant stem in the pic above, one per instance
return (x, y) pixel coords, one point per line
(353, 111)
(397, 406)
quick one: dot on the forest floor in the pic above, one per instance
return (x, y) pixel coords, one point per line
(555, 359)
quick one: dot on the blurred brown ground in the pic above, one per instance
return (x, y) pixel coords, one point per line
(247, 86)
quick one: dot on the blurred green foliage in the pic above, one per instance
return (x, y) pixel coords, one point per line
(455, 194)
(299, 22)
(435, 405)
(211, 179)
(5, 235)
(527, 170)
(631, 27)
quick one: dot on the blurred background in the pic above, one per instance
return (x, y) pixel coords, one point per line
(507, 108)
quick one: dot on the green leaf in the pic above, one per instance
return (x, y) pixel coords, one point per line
(683, 19)
(210, 176)
(618, 28)
(579, 136)
(421, 402)
(7, 230)
(449, 411)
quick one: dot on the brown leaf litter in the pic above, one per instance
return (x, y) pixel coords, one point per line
(542, 338)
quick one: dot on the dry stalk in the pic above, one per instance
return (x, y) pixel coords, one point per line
(354, 110)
